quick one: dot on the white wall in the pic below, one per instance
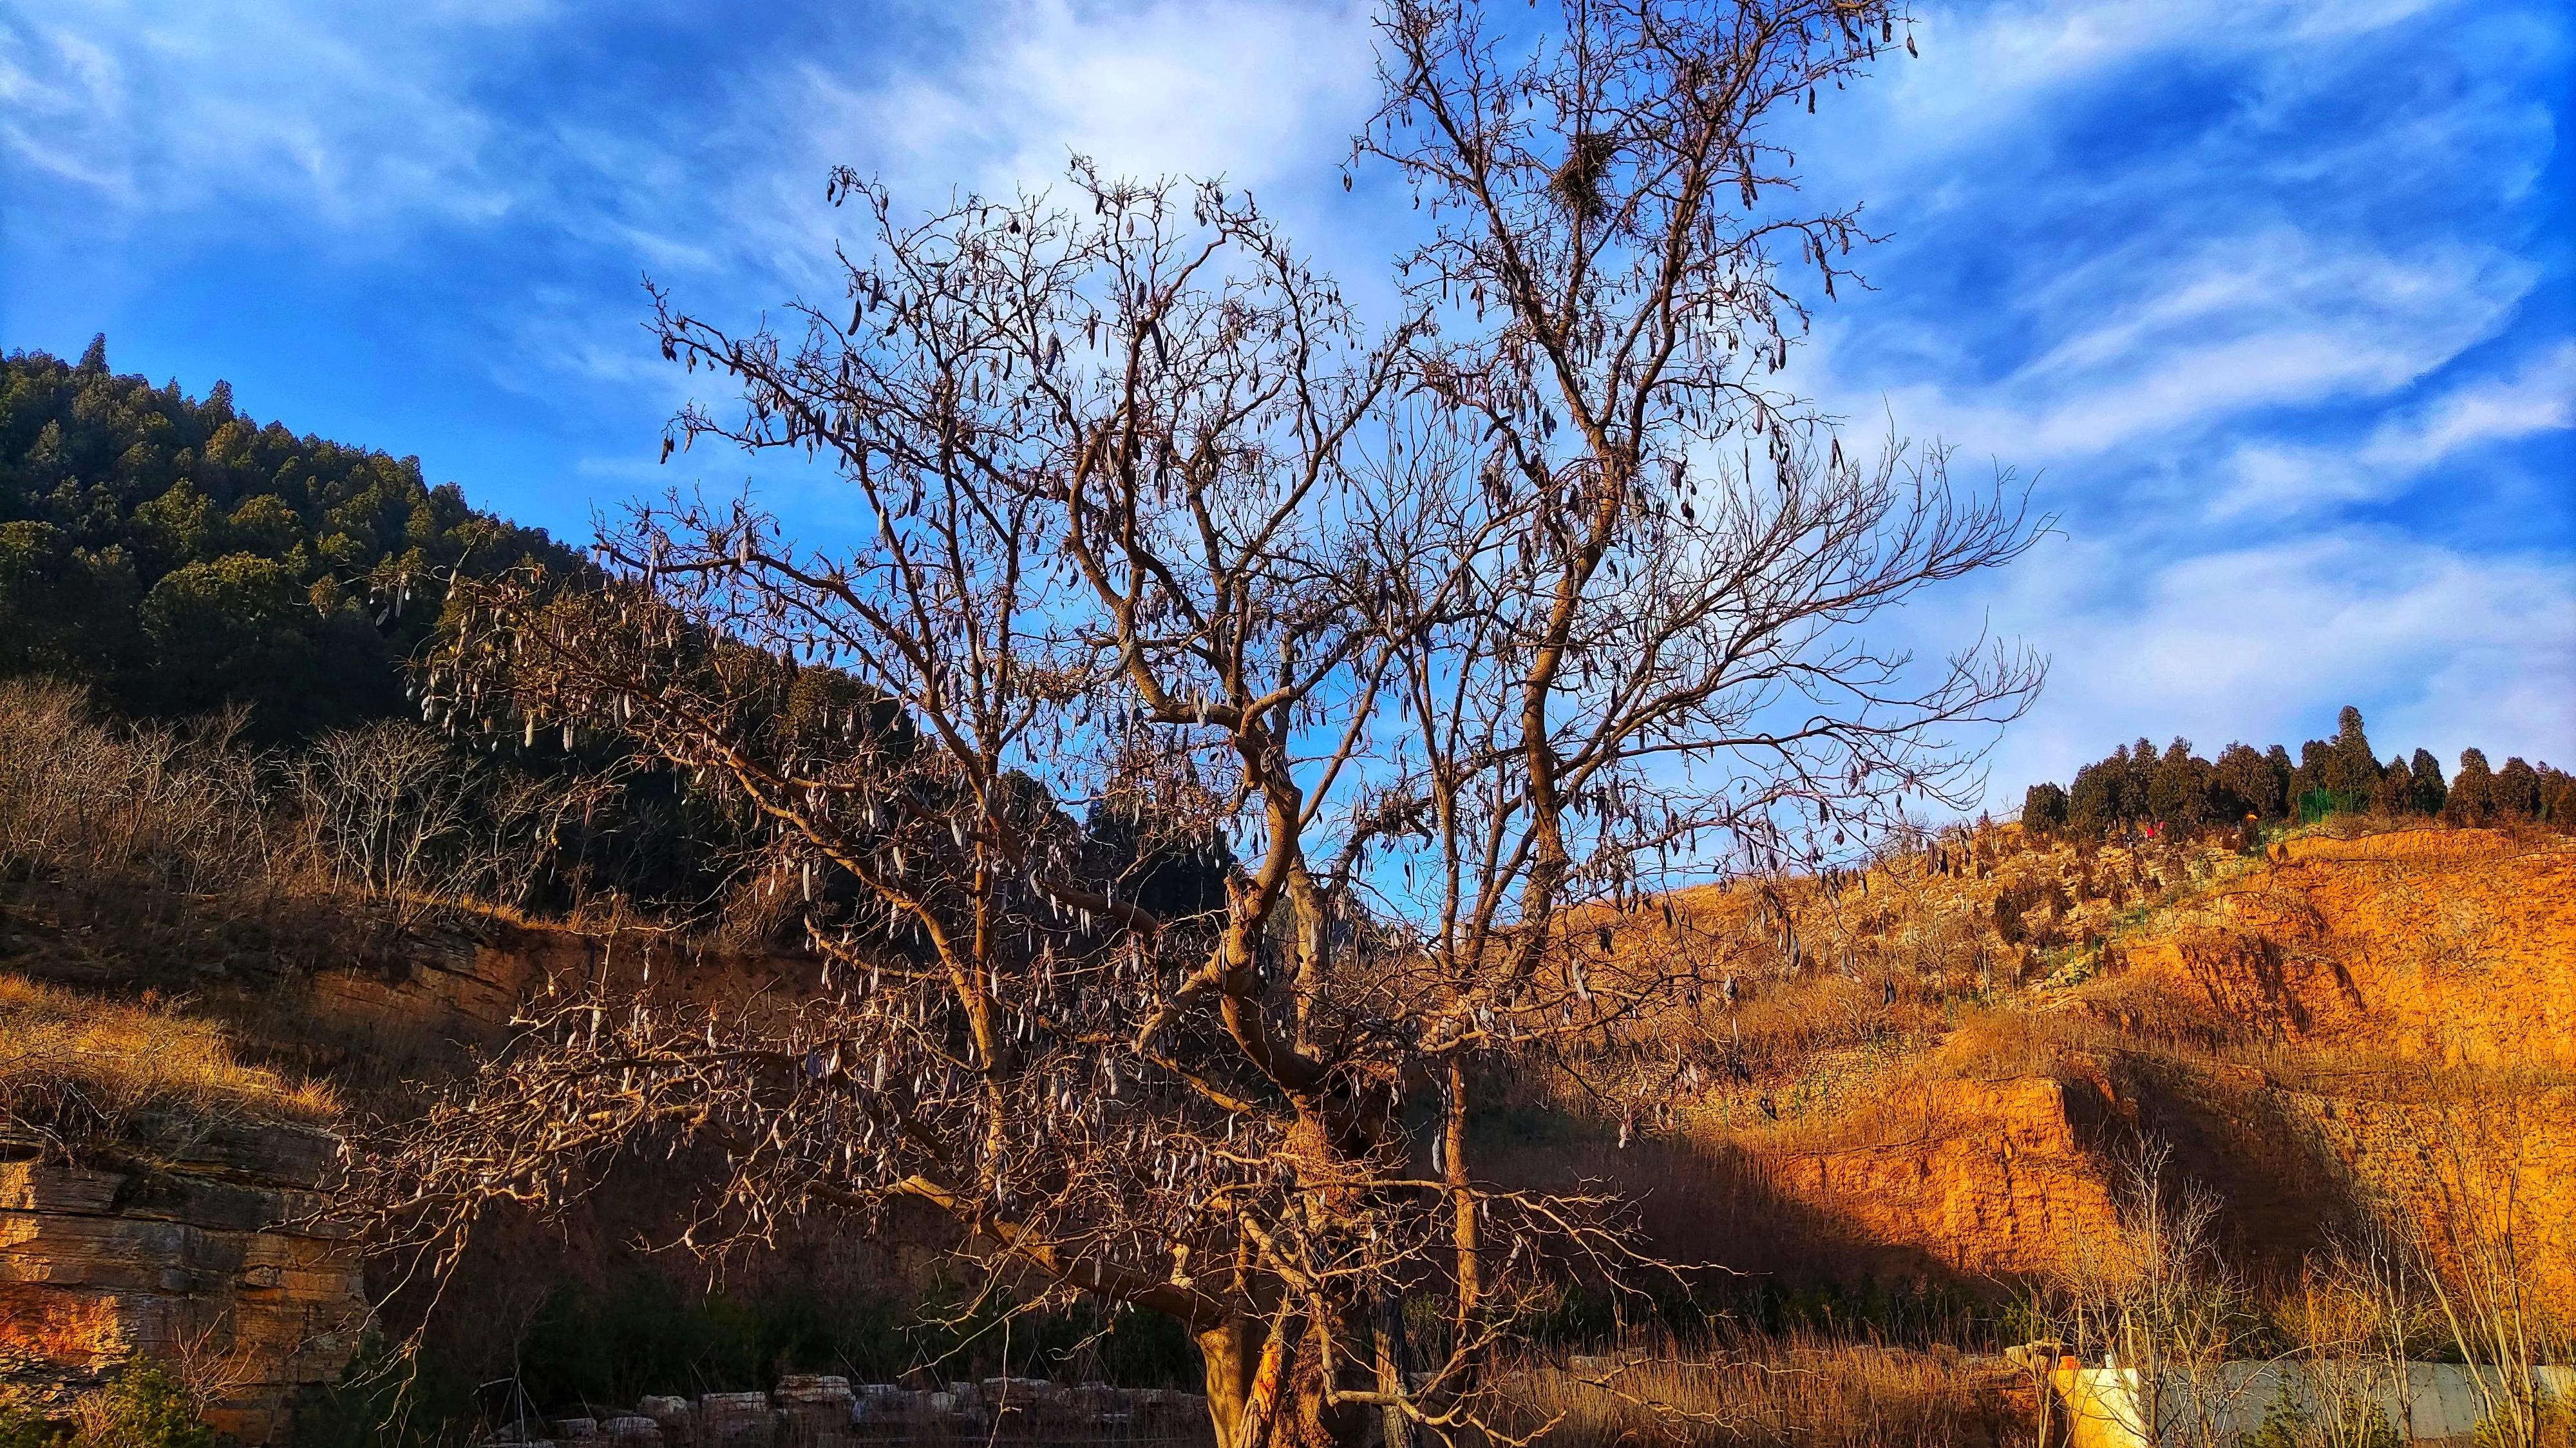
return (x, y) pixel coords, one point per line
(2438, 1401)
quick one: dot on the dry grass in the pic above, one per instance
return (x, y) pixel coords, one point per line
(81, 1071)
(1800, 1391)
(1910, 979)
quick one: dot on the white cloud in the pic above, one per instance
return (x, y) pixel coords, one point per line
(54, 85)
(2230, 264)
(1991, 70)
(2272, 479)
(2276, 480)
(2441, 649)
(1236, 88)
(2227, 288)
(349, 114)
(2139, 345)
(2539, 398)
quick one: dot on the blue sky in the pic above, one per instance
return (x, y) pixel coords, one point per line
(2276, 302)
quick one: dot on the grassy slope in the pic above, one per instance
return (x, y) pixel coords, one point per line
(1923, 1098)
(77, 1063)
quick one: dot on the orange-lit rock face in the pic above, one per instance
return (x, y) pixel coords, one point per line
(1996, 1184)
(456, 990)
(2316, 1035)
(202, 1260)
(2447, 946)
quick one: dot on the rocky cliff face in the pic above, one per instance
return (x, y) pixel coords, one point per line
(2349, 1028)
(203, 1243)
(463, 988)
(206, 1252)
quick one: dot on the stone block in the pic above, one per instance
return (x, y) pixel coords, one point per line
(733, 1420)
(31, 1186)
(677, 1420)
(805, 1390)
(884, 1402)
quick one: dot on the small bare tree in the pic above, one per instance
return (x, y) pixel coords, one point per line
(382, 800)
(396, 810)
(2475, 1249)
(2153, 1300)
(2353, 1319)
(145, 827)
(1236, 727)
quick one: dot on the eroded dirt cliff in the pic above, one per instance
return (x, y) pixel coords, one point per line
(1909, 1082)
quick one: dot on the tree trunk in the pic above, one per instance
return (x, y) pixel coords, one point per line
(1226, 1355)
(1261, 1393)
(1388, 1350)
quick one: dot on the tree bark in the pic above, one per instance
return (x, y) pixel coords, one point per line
(1263, 1390)
(1226, 1357)
(1387, 1341)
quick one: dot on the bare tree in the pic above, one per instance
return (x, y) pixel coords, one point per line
(1384, 698)
(2474, 1249)
(143, 827)
(397, 811)
(2352, 1321)
(381, 801)
(2154, 1302)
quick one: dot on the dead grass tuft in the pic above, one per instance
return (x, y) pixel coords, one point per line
(83, 1072)
(1798, 1391)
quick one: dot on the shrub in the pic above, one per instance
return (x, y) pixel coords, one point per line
(2356, 1424)
(23, 1427)
(2517, 790)
(2472, 799)
(144, 1407)
(2043, 808)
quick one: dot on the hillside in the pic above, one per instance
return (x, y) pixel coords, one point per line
(177, 555)
(2349, 1028)
(2309, 1028)
(1926, 1079)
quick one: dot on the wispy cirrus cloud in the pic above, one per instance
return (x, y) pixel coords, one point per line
(2261, 643)
(172, 109)
(2538, 397)
(2278, 480)
(2137, 343)
(2272, 302)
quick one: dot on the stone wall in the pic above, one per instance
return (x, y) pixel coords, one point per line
(203, 1252)
(828, 1412)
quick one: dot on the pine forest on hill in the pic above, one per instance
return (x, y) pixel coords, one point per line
(178, 557)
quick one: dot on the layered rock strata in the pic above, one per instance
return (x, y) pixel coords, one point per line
(209, 1253)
